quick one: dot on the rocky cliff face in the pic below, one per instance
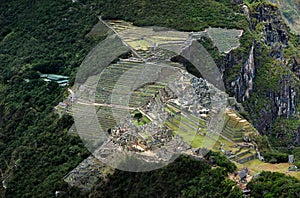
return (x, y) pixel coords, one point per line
(242, 86)
(286, 98)
(275, 31)
(276, 36)
(296, 66)
(267, 82)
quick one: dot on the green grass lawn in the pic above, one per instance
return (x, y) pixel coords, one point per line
(257, 166)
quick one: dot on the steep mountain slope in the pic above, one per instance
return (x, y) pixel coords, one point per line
(38, 36)
(51, 37)
(270, 75)
(290, 11)
(262, 73)
(173, 180)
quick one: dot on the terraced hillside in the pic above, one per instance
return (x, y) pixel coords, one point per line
(142, 111)
(236, 127)
(192, 128)
(121, 77)
(129, 84)
(149, 42)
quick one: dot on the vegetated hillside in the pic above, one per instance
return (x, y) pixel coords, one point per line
(49, 37)
(274, 185)
(290, 10)
(185, 15)
(262, 74)
(273, 104)
(185, 177)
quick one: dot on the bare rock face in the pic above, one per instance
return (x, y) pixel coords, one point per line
(243, 85)
(286, 99)
(276, 36)
(296, 66)
(275, 32)
(273, 38)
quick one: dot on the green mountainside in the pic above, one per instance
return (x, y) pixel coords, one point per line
(47, 37)
(290, 10)
(54, 37)
(262, 74)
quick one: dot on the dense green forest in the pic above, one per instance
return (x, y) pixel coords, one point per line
(185, 177)
(48, 36)
(187, 15)
(274, 185)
